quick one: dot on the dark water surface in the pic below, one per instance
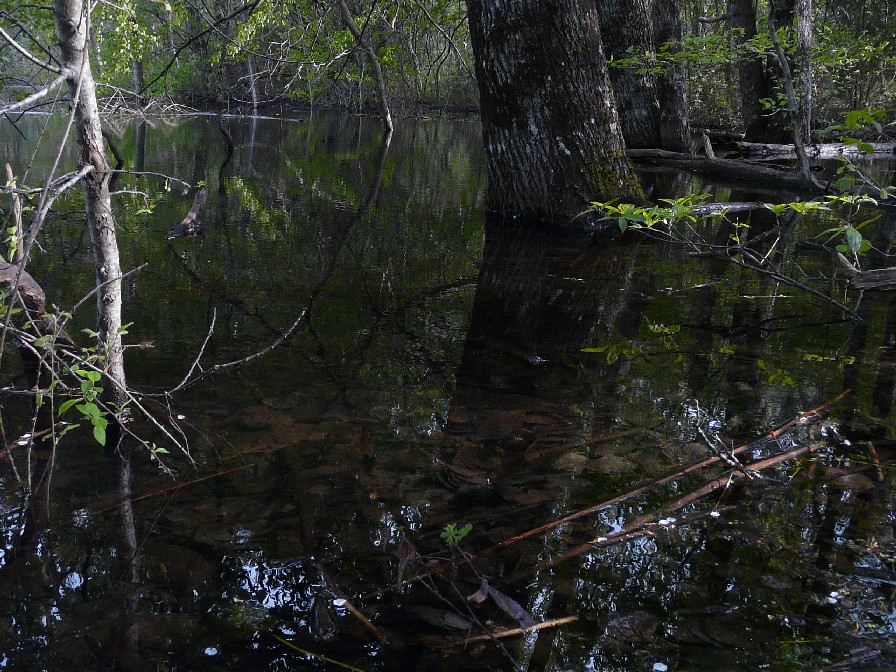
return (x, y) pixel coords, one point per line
(449, 371)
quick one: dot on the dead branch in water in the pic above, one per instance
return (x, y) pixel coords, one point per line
(774, 434)
(509, 632)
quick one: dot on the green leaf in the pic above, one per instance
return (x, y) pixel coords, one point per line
(67, 405)
(89, 409)
(99, 433)
(853, 239)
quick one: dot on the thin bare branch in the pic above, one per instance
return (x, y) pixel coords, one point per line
(187, 383)
(447, 37)
(510, 632)
(22, 104)
(27, 54)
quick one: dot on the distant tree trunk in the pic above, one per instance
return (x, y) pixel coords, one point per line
(552, 137)
(753, 81)
(139, 81)
(378, 79)
(803, 62)
(780, 128)
(793, 102)
(253, 88)
(72, 20)
(675, 128)
(626, 31)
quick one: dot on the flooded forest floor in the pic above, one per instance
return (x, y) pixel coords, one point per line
(487, 447)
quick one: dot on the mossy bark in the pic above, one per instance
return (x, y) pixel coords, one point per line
(553, 138)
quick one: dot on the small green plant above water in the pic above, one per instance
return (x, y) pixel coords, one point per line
(87, 402)
(629, 215)
(453, 535)
(844, 209)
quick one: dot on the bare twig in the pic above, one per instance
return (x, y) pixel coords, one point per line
(16, 217)
(509, 632)
(12, 107)
(168, 178)
(27, 54)
(186, 383)
(446, 36)
(165, 491)
(357, 613)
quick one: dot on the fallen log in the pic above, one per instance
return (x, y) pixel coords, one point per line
(831, 150)
(30, 293)
(760, 176)
(773, 435)
(879, 279)
(32, 298)
(726, 168)
(648, 525)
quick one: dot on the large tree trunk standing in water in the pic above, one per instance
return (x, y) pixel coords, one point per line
(626, 31)
(675, 127)
(72, 21)
(552, 137)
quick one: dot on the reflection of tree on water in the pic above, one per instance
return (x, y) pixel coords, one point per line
(524, 385)
(39, 586)
(522, 388)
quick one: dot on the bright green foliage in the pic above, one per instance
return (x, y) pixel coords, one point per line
(299, 49)
(856, 63)
(453, 535)
(129, 29)
(628, 215)
(845, 209)
(646, 347)
(776, 375)
(88, 402)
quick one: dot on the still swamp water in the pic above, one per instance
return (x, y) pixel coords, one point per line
(449, 371)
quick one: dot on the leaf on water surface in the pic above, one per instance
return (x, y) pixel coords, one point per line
(406, 553)
(507, 604)
(440, 618)
(480, 595)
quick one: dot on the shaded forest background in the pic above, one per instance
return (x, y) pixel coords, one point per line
(153, 54)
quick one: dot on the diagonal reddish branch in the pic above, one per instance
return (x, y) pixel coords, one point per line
(775, 433)
(646, 525)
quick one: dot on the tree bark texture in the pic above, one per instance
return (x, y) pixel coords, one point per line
(793, 103)
(72, 29)
(753, 81)
(552, 137)
(626, 31)
(675, 128)
(803, 26)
